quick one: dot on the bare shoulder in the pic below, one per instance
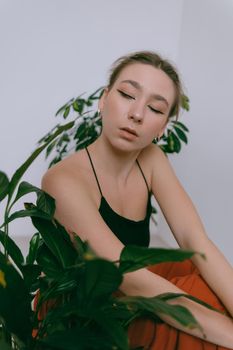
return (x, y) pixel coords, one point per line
(153, 161)
(69, 175)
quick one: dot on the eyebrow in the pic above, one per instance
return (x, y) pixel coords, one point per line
(139, 87)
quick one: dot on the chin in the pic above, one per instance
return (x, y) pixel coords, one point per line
(125, 146)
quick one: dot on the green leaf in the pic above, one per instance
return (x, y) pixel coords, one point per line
(81, 131)
(64, 106)
(113, 328)
(101, 278)
(180, 125)
(160, 307)
(33, 248)
(49, 263)
(118, 309)
(89, 102)
(185, 102)
(181, 134)
(50, 148)
(4, 345)
(66, 112)
(30, 274)
(133, 258)
(23, 189)
(22, 169)
(15, 301)
(60, 287)
(54, 239)
(78, 245)
(77, 339)
(94, 97)
(75, 106)
(173, 142)
(61, 109)
(12, 249)
(47, 135)
(46, 203)
(169, 296)
(166, 149)
(25, 213)
(4, 184)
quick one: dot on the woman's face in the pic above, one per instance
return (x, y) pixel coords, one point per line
(135, 110)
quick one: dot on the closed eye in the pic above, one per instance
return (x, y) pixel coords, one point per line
(155, 110)
(125, 95)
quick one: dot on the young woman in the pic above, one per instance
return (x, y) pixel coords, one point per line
(111, 182)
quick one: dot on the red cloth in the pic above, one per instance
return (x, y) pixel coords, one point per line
(152, 336)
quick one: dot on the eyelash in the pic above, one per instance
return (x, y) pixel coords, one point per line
(125, 95)
(130, 97)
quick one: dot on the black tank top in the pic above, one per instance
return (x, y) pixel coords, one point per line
(128, 231)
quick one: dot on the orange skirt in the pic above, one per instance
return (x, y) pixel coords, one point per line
(152, 336)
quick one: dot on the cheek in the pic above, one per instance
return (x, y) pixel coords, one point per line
(112, 109)
(155, 125)
(157, 122)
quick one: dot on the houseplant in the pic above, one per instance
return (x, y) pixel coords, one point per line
(84, 311)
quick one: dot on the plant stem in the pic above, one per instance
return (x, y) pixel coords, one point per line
(6, 226)
(6, 335)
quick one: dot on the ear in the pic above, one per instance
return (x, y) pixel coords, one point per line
(102, 99)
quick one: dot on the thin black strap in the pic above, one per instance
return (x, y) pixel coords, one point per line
(94, 171)
(143, 175)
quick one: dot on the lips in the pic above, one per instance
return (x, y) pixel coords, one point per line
(131, 131)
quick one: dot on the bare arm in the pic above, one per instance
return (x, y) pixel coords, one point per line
(77, 211)
(189, 232)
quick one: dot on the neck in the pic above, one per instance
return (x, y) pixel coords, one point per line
(117, 163)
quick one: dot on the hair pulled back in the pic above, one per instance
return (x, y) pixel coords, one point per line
(155, 60)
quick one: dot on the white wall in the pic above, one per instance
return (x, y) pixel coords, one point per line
(205, 167)
(52, 50)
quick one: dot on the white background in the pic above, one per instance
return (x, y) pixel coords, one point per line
(52, 50)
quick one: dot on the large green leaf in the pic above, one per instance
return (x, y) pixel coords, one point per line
(4, 345)
(79, 245)
(116, 309)
(22, 169)
(12, 249)
(33, 248)
(78, 339)
(133, 258)
(168, 296)
(25, 188)
(48, 261)
(113, 328)
(180, 125)
(34, 212)
(46, 203)
(181, 134)
(160, 307)
(30, 274)
(4, 184)
(15, 307)
(174, 142)
(101, 278)
(53, 238)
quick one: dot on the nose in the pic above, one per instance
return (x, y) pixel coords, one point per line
(136, 114)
